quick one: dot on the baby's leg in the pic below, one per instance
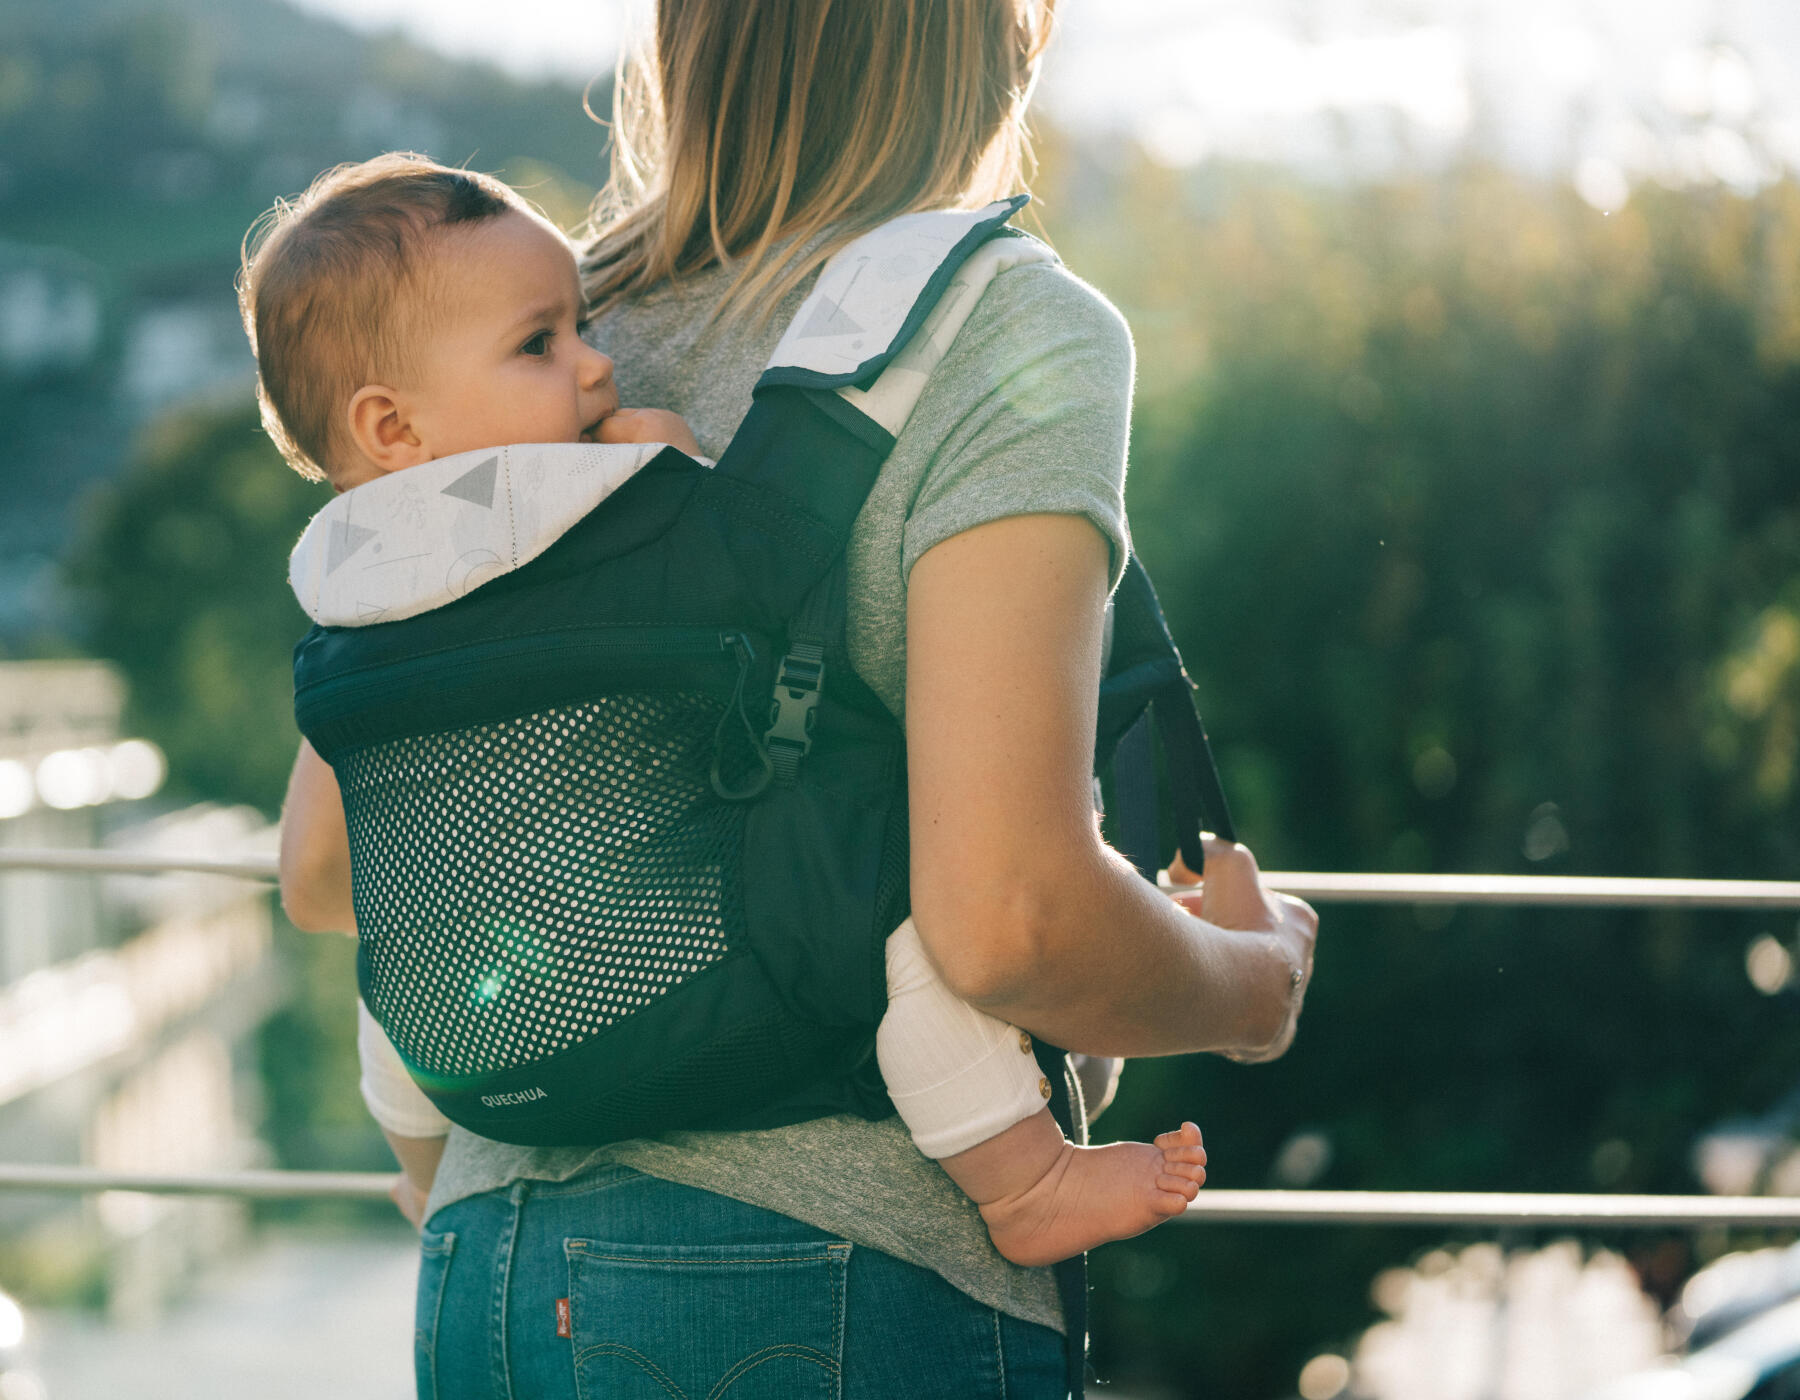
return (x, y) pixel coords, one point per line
(970, 1092)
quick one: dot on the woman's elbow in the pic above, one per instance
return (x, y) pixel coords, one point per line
(988, 946)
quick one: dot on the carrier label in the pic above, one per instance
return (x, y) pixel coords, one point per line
(508, 1100)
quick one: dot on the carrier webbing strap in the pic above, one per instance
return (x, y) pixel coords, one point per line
(1134, 798)
(1146, 682)
(1194, 779)
(1071, 1274)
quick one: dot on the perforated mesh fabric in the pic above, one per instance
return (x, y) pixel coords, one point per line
(520, 885)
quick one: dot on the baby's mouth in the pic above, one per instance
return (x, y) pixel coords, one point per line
(591, 433)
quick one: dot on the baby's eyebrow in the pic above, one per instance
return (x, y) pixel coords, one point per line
(539, 313)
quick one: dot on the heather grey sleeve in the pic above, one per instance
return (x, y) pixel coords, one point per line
(1028, 413)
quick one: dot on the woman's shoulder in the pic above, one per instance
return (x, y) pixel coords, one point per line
(1041, 322)
(1045, 301)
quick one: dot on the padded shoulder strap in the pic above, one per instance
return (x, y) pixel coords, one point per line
(886, 308)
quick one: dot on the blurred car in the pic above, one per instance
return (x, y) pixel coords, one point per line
(1759, 1359)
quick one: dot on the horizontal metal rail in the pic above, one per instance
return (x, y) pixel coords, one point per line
(1498, 1208)
(250, 1185)
(1505, 1209)
(104, 862)
(1541, 891)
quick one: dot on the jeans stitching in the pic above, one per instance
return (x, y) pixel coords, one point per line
(443, 1246)
(502, 1368)
(839, 1289)
(655, 1372)
(767, 1354)
(579, 1247)
(999, 1354)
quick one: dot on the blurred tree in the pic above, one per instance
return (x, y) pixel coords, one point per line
(182, 563)
(1474, 513)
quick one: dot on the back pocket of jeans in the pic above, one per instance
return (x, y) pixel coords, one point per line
(707, 1322)
(434, 1264)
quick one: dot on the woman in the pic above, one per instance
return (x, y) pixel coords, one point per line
(829, 1257)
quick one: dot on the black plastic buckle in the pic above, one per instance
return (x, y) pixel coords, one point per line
(795, 707)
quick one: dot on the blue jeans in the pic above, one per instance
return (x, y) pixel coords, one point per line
(679, 1294)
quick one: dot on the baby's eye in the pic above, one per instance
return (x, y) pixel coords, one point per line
(539, 344)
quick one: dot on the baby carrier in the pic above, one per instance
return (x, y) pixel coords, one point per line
(628, 833)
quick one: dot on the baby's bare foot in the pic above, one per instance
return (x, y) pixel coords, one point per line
(1091, 1195)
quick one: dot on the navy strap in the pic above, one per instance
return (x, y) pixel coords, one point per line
(1134, 798)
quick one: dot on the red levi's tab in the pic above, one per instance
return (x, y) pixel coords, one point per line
(562, 1318)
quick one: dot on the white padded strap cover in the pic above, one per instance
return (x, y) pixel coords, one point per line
(890, 399)
(416, 539)
(882, 307)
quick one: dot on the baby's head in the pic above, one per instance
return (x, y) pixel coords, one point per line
(401, 310)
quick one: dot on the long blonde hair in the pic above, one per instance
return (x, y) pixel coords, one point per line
(772, 122)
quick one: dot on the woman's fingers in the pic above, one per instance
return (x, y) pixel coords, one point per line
(1179, 874)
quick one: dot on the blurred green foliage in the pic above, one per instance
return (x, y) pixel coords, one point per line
(183, 566)
(1474, 514)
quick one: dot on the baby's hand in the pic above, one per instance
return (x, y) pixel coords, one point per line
(648, 425)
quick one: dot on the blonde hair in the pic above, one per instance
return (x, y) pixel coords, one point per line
(323, 283)
(790, 119)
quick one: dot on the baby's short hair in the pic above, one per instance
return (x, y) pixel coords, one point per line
(320, 283)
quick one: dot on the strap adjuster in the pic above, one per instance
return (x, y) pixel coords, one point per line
(794, 708)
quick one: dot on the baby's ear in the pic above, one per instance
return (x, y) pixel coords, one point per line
(381, 428)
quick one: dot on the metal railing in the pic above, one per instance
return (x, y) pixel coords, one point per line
(1503, 1209)
(1541, 891)
(1507, 1210)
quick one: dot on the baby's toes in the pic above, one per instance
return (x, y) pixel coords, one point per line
(1184, 1186)
(1187, 1171)
(1187, 1136)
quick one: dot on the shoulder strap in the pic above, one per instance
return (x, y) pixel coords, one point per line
(846, 374)
(876, 293)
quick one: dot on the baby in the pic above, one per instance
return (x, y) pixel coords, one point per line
(402, 311)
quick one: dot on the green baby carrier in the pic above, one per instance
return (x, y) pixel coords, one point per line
(627, 832)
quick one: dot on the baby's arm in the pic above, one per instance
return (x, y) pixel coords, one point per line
(315, 849)
(649, 425)
(414, 1128)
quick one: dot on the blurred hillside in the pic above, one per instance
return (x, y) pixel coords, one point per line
(138, 141)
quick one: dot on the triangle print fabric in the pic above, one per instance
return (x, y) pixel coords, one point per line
(866, 292)
(419, 538)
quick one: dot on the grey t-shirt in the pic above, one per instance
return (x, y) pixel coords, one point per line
(1028, 413)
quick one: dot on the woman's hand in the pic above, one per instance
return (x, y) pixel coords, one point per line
(649, 425)
(418, 1159)
(1231, 894)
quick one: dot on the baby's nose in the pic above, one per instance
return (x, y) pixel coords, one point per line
(599, 366)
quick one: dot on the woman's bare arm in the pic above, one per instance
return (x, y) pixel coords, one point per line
(1027, 912)
(315, 849)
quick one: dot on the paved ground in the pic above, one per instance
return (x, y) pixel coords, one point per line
(296, 1317)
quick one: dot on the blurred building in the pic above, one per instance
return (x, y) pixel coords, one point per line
(50, 311)
(127, 1005)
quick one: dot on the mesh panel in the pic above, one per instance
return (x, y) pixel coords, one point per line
(520, 885)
